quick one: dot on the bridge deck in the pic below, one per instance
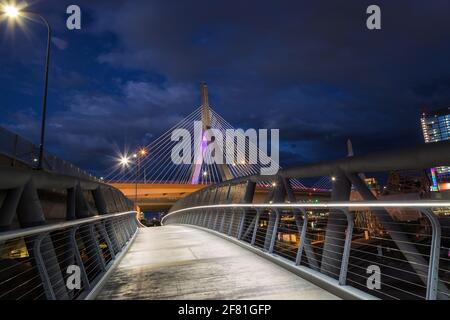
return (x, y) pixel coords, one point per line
(177, 262)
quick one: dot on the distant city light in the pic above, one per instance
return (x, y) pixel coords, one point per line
(333, 178)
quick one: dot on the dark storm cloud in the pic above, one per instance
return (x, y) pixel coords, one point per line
(312, 62)
(98, 124)
(310, 68)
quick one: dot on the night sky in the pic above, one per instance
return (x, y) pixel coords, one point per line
(310, 68)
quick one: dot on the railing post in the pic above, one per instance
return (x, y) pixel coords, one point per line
(298, 258)
(347, 248)
(216, 220)
(241, 224)
(222, 222)
(109, 227)
(98, 253)
(107, 239)
(198, 217)
(274, 231)
(255, 230)
(230, 228)
(211, 219)
(433, 267)
(78, 259)
(49, 293)
(205, 216)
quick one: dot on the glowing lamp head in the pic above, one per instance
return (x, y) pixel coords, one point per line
(205, 173)
(333, 178)
(142, 152)
(11, 11)
(124, 161)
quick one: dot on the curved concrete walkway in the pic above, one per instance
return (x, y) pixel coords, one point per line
(178, 262)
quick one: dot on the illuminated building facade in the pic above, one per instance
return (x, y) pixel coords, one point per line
(436, 127)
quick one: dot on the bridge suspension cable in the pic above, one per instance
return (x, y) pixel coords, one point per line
(156, 166)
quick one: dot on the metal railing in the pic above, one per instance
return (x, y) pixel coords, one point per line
(388, 250)
(22, 150)
(47, 262)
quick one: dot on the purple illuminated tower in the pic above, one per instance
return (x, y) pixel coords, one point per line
(223, 169)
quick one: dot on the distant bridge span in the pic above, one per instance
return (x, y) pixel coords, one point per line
(161, 196)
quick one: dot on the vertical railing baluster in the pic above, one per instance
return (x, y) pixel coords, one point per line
(241, 224)
(48, 288)
(274, 231)
(433, 266)
(298, 258)
(76, 251)
(222, 222)
(347, 248)
(255, 230)
(98, 252)
(231, 222)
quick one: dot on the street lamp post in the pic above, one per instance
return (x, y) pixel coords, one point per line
(44, 99)
(14, 12)
(142, 153)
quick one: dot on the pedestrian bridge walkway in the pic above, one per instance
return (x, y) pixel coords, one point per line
(180, 262)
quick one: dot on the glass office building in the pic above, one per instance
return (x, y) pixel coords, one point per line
(436, 127)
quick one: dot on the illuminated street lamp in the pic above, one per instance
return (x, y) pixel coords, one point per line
(11, 11)
(124, 161)
(142, 152)
(14, 12)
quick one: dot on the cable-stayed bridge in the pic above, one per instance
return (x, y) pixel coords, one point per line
(228, 230)
(149, 176)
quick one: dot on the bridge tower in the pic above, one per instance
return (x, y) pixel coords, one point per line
(223, 169)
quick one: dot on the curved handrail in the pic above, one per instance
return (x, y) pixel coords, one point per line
(425, 265)
(8, 235)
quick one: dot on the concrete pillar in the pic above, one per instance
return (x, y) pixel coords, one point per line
(82, 208)
(9, 207)
(100, 202)
(29, 209)
(71, 204)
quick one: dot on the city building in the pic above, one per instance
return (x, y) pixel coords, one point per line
(436, 127)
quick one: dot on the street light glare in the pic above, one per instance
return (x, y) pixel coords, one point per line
(11, 11)
(124, 161)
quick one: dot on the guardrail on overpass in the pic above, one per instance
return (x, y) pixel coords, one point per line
(22, 150)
